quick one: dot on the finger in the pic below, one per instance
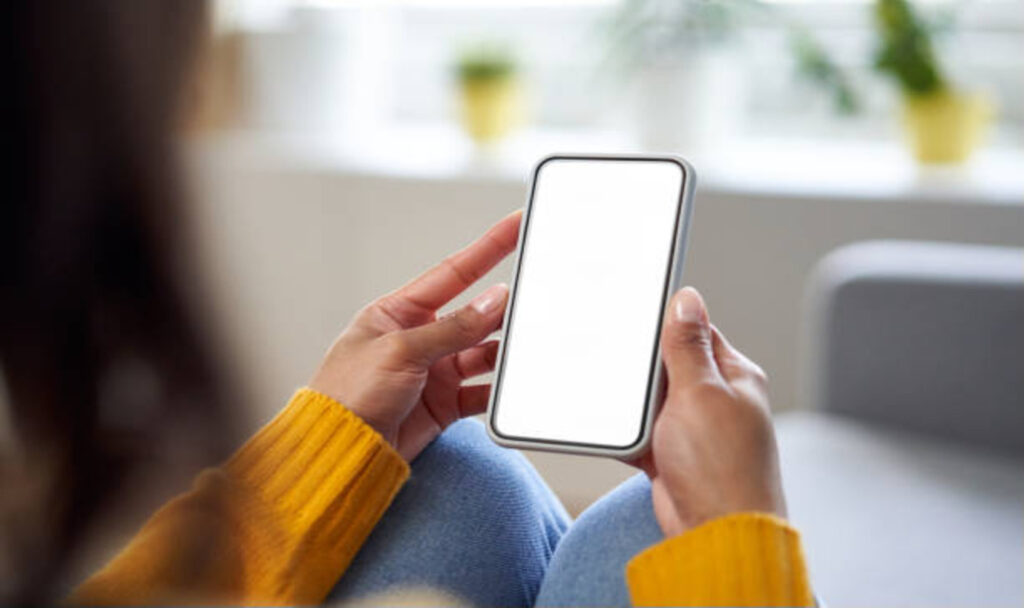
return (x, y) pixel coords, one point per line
(732, 363)
(476, 360)
(686, 342)
(437, 286)
(473, 399)
(458, 331)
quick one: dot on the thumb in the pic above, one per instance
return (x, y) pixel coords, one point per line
(686, 342)
(459, 330)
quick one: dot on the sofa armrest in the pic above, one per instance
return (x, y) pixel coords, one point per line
(922, 336)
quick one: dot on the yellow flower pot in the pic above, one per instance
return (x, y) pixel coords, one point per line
(491, 107)
(945, 127)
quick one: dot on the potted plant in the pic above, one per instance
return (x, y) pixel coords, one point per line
(687, 86)
(944, 124)
(490, 94)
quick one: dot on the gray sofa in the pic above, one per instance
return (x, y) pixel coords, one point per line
(905, 468)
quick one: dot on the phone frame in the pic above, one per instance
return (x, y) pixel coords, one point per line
(673, 280)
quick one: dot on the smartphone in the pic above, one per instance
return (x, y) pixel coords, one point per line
(600, 253)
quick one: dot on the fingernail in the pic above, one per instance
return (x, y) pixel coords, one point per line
(490, 299)
(689, 307)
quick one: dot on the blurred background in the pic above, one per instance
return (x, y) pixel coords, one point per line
(345, 146)
(349, 144)
(339, 148)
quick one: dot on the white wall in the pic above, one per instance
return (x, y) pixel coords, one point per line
(293, 251)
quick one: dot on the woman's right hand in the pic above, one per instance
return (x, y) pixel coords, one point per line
(713, 450)
(402, 368)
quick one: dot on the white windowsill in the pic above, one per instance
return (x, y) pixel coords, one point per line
(762, 167)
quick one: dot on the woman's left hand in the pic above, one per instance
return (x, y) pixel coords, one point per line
(401, 368)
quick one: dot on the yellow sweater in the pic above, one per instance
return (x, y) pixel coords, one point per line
(280, 522)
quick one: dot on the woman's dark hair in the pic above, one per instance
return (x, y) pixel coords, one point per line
(102, 354)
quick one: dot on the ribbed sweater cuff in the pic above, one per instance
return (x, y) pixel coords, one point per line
(326, 473)
(747, 559)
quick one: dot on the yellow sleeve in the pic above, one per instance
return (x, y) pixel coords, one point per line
(277, 524)
(747, 559)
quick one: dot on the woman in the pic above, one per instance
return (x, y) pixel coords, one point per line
(367, 481)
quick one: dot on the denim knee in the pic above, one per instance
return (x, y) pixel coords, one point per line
(474, 520)
(588, 568)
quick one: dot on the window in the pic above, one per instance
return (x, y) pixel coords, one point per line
(399, 56)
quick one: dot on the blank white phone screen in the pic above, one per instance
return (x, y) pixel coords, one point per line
(585, 317)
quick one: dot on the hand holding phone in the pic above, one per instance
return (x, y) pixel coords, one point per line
(713, 452)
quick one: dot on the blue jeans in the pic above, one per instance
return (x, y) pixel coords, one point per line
(477, 522)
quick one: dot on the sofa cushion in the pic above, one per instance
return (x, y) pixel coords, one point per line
(901, 519)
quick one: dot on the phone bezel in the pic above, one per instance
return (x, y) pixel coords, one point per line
(673, 278)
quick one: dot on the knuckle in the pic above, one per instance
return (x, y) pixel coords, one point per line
(690, 335)
(745, 369)
(753, 392)
(368, 313)
(380, 313)
(462, 324)
(758, 373)
(398, 312)
(744, 366)
(398, 348)
(754, 372)
(465, 275)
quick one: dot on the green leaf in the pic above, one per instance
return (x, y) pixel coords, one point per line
(905, 51)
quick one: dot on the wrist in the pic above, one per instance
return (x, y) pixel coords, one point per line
(697, 515)
(364, 414)
(384, 430)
